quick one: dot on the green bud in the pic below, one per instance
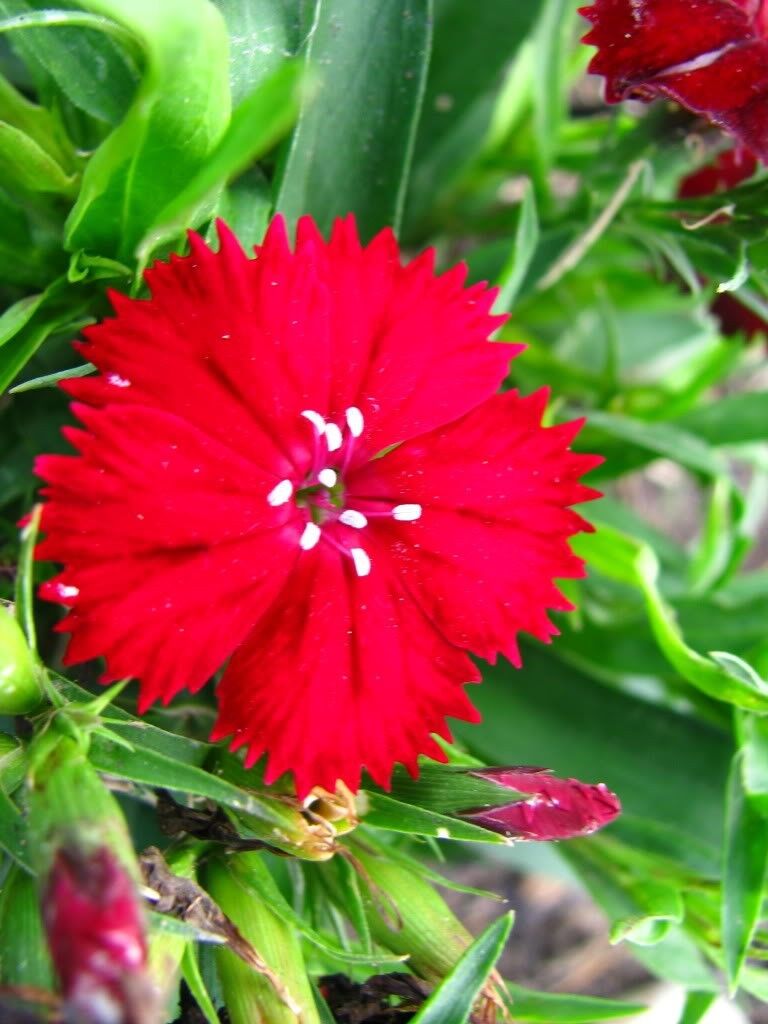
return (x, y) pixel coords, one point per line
(279, 992)
(70, 805)
(24, 959)
(408, 917)
(20, 690)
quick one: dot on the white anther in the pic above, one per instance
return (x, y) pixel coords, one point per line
(333, 437)
(407, 513)
(309, 537)
(361, 560)
(327, 477)
(354, 420)
(315, 419)
(351, 517)
(280, 493)
(66, 590)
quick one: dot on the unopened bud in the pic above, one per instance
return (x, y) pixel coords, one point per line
(555, 809)
(264, 977)
(20, 689)
(95, 932)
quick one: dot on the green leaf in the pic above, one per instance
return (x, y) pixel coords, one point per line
(528, 1005)
(256, 125)
(351, 149)
(56, 314)
(469, 57)
(13, 836)
(549, 86)
(449, 788)
(452, 1000)
(79, 60)
(396, 816)
(51, 380)
(26, 165)
(662, 439)
(624, 559)
(526, 239)
(697, 1004)
(261, 36)
(190, 970)
(24, 959)
(745, 862)
(180, 112)
(662, 905)
(734, 419)
(18, 315)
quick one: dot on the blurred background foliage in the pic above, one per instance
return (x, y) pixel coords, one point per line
(472, 128)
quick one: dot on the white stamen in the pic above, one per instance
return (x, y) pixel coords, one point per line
(406, 513)
(351, 517)
(315, 419)
(280, 493)
(354, 420)
(361, 560)
(327, 477)
(333, 437)
(309, 537)
(65, 590)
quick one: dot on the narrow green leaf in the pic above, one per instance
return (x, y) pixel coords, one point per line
(256, 125)
(18, 315)
(13, 832)
(24, 959)
(549, 98)
(663, 439)
(351, 150)
(526, 239)
(745, 855)
(697, 1005)
(452, 1000)
(734, 419)
(396, 816)
(50, 380)
(190, 970)
(545, 1008)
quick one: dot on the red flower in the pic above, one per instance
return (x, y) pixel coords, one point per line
(237, 493)
(95, 933)
(709, 55)
(557, 809)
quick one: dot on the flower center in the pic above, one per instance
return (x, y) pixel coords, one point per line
(321, 497)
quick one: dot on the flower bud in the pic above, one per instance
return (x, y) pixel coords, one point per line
(88, 880)
(265, 977)
(96, 938)
(555, 809)
(407, 915)
(20, 690)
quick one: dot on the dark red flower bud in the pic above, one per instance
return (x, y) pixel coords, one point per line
(556, 808)
(96, 938)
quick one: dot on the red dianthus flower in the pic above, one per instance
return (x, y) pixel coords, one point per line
(300, 461)
(709, 55)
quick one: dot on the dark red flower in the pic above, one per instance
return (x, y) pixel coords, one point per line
(709, 55)
(557, 808)
(725, 172)
(299, 460)
(95, 933)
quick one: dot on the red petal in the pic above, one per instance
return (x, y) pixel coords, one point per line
(495, 488)
(346, 673)
(709, 55)
(725, 172)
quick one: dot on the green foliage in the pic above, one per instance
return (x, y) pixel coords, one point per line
(468, 127)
